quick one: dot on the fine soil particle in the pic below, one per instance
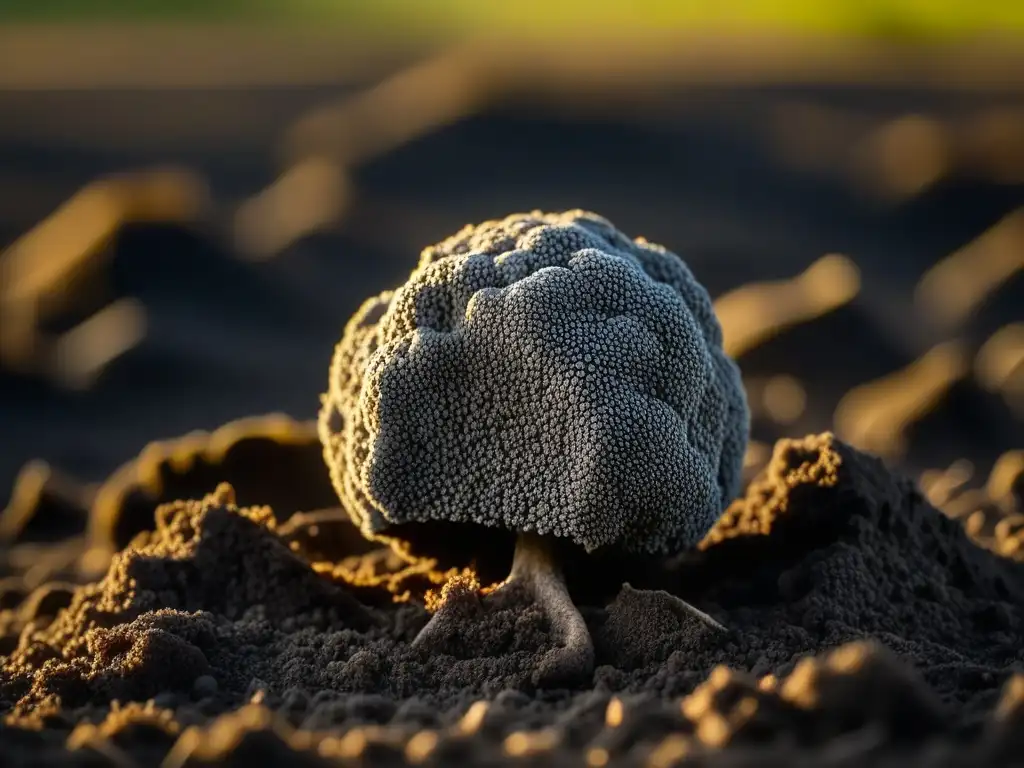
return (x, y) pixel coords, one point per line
(862, 625)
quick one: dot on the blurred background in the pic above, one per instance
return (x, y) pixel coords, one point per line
(194, 197)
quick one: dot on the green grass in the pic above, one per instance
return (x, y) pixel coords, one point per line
(910, 19)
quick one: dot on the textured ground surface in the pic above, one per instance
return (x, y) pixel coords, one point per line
(864, 624)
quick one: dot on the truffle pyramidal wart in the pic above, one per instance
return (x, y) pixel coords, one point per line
(547, 378)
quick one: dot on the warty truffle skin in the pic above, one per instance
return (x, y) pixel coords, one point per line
(541, 373)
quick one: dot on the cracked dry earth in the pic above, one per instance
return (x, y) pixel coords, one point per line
(864, 625)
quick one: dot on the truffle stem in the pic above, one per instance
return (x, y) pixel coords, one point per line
(535, 567)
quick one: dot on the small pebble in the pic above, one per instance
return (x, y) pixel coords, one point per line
(204, 685)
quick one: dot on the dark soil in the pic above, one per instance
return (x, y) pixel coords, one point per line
(863, 623)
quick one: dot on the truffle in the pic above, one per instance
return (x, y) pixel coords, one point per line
(542, 375)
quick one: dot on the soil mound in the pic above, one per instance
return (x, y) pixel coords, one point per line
(864, 624)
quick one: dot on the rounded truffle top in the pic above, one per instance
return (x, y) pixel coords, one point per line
(539, 373)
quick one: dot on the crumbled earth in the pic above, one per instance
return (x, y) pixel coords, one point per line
(864, 625)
